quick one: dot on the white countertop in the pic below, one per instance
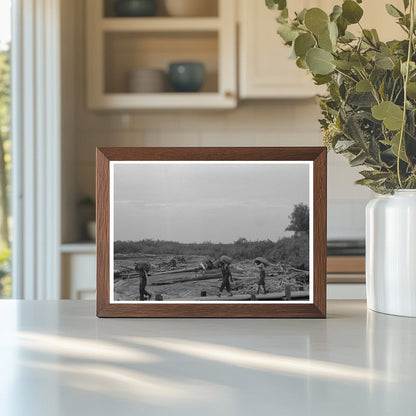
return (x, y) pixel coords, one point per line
(57, 358)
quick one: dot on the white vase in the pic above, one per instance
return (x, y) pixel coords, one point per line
(391, 253)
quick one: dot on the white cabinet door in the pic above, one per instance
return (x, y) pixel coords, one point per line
(78, 276)
(265, 68)
(376, 17)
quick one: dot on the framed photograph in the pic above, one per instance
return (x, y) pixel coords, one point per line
(211, 232)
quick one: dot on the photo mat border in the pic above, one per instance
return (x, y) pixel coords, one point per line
(313, 308)
(216, 162)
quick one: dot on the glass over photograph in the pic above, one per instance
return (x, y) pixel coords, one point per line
(211, 232)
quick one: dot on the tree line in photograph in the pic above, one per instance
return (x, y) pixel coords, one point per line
(293, 250)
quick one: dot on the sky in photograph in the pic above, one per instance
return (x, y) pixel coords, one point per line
(206, 202)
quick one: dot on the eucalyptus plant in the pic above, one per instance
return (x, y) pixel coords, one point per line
(369, 111)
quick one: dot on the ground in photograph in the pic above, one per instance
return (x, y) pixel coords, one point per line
(180, 278)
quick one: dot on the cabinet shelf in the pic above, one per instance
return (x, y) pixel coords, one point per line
(198, 100)
(116, 46)
(160, 24)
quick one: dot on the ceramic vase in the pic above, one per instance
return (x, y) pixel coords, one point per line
(391, 253)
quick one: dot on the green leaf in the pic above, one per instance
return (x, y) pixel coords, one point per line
(405, 21)
(362, 99)
(358, 160)
(374, 150)
(336, 12)
(301, 15)
(316, 20)
(412, 67)
(276, 4)
(396, 70)
(347, 37)
(374, 174)
(411, 90)
(343, 145)
(394, 145)
(303, 43)
(342, 25)
(333, 32)
(365, 182)
(325, 42)
(351, 11)
(287, 33)
(320, 61)
(344, 65)
(363, 86)
(354, 132)
(375, 35)
(368, 36)
(388, 112)
(321, 79)
(384, 62)
(393, 11)
(382, 89)
(358, 61)
(301, 63)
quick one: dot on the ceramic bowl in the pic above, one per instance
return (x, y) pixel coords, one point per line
(186, 76)
(135, 8)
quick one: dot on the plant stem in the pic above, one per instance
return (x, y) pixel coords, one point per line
(346, 75)
(406, 80)
(373, 88)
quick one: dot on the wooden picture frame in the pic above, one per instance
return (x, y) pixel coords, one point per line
(109, 159)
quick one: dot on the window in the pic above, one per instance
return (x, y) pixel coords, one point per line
(5, 147)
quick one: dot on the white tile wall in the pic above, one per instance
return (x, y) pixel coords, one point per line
(272, 123)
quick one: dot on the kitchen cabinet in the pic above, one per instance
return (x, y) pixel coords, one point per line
(118, 45)
(78, 263)
(265, 70)
(264, 65)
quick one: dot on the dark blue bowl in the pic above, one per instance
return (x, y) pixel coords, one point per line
(187, 76)
(135, 8)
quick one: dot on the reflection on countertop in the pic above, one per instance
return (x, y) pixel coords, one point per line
(355, 362)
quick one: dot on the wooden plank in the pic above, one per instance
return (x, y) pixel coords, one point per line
(267, 297)
(182, 280)
(189, 270)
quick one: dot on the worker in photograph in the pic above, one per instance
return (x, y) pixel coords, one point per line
(262, 276)
(207, 264)
(142, 269)
(226, 275)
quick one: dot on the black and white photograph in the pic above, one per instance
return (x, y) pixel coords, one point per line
(190, 231)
